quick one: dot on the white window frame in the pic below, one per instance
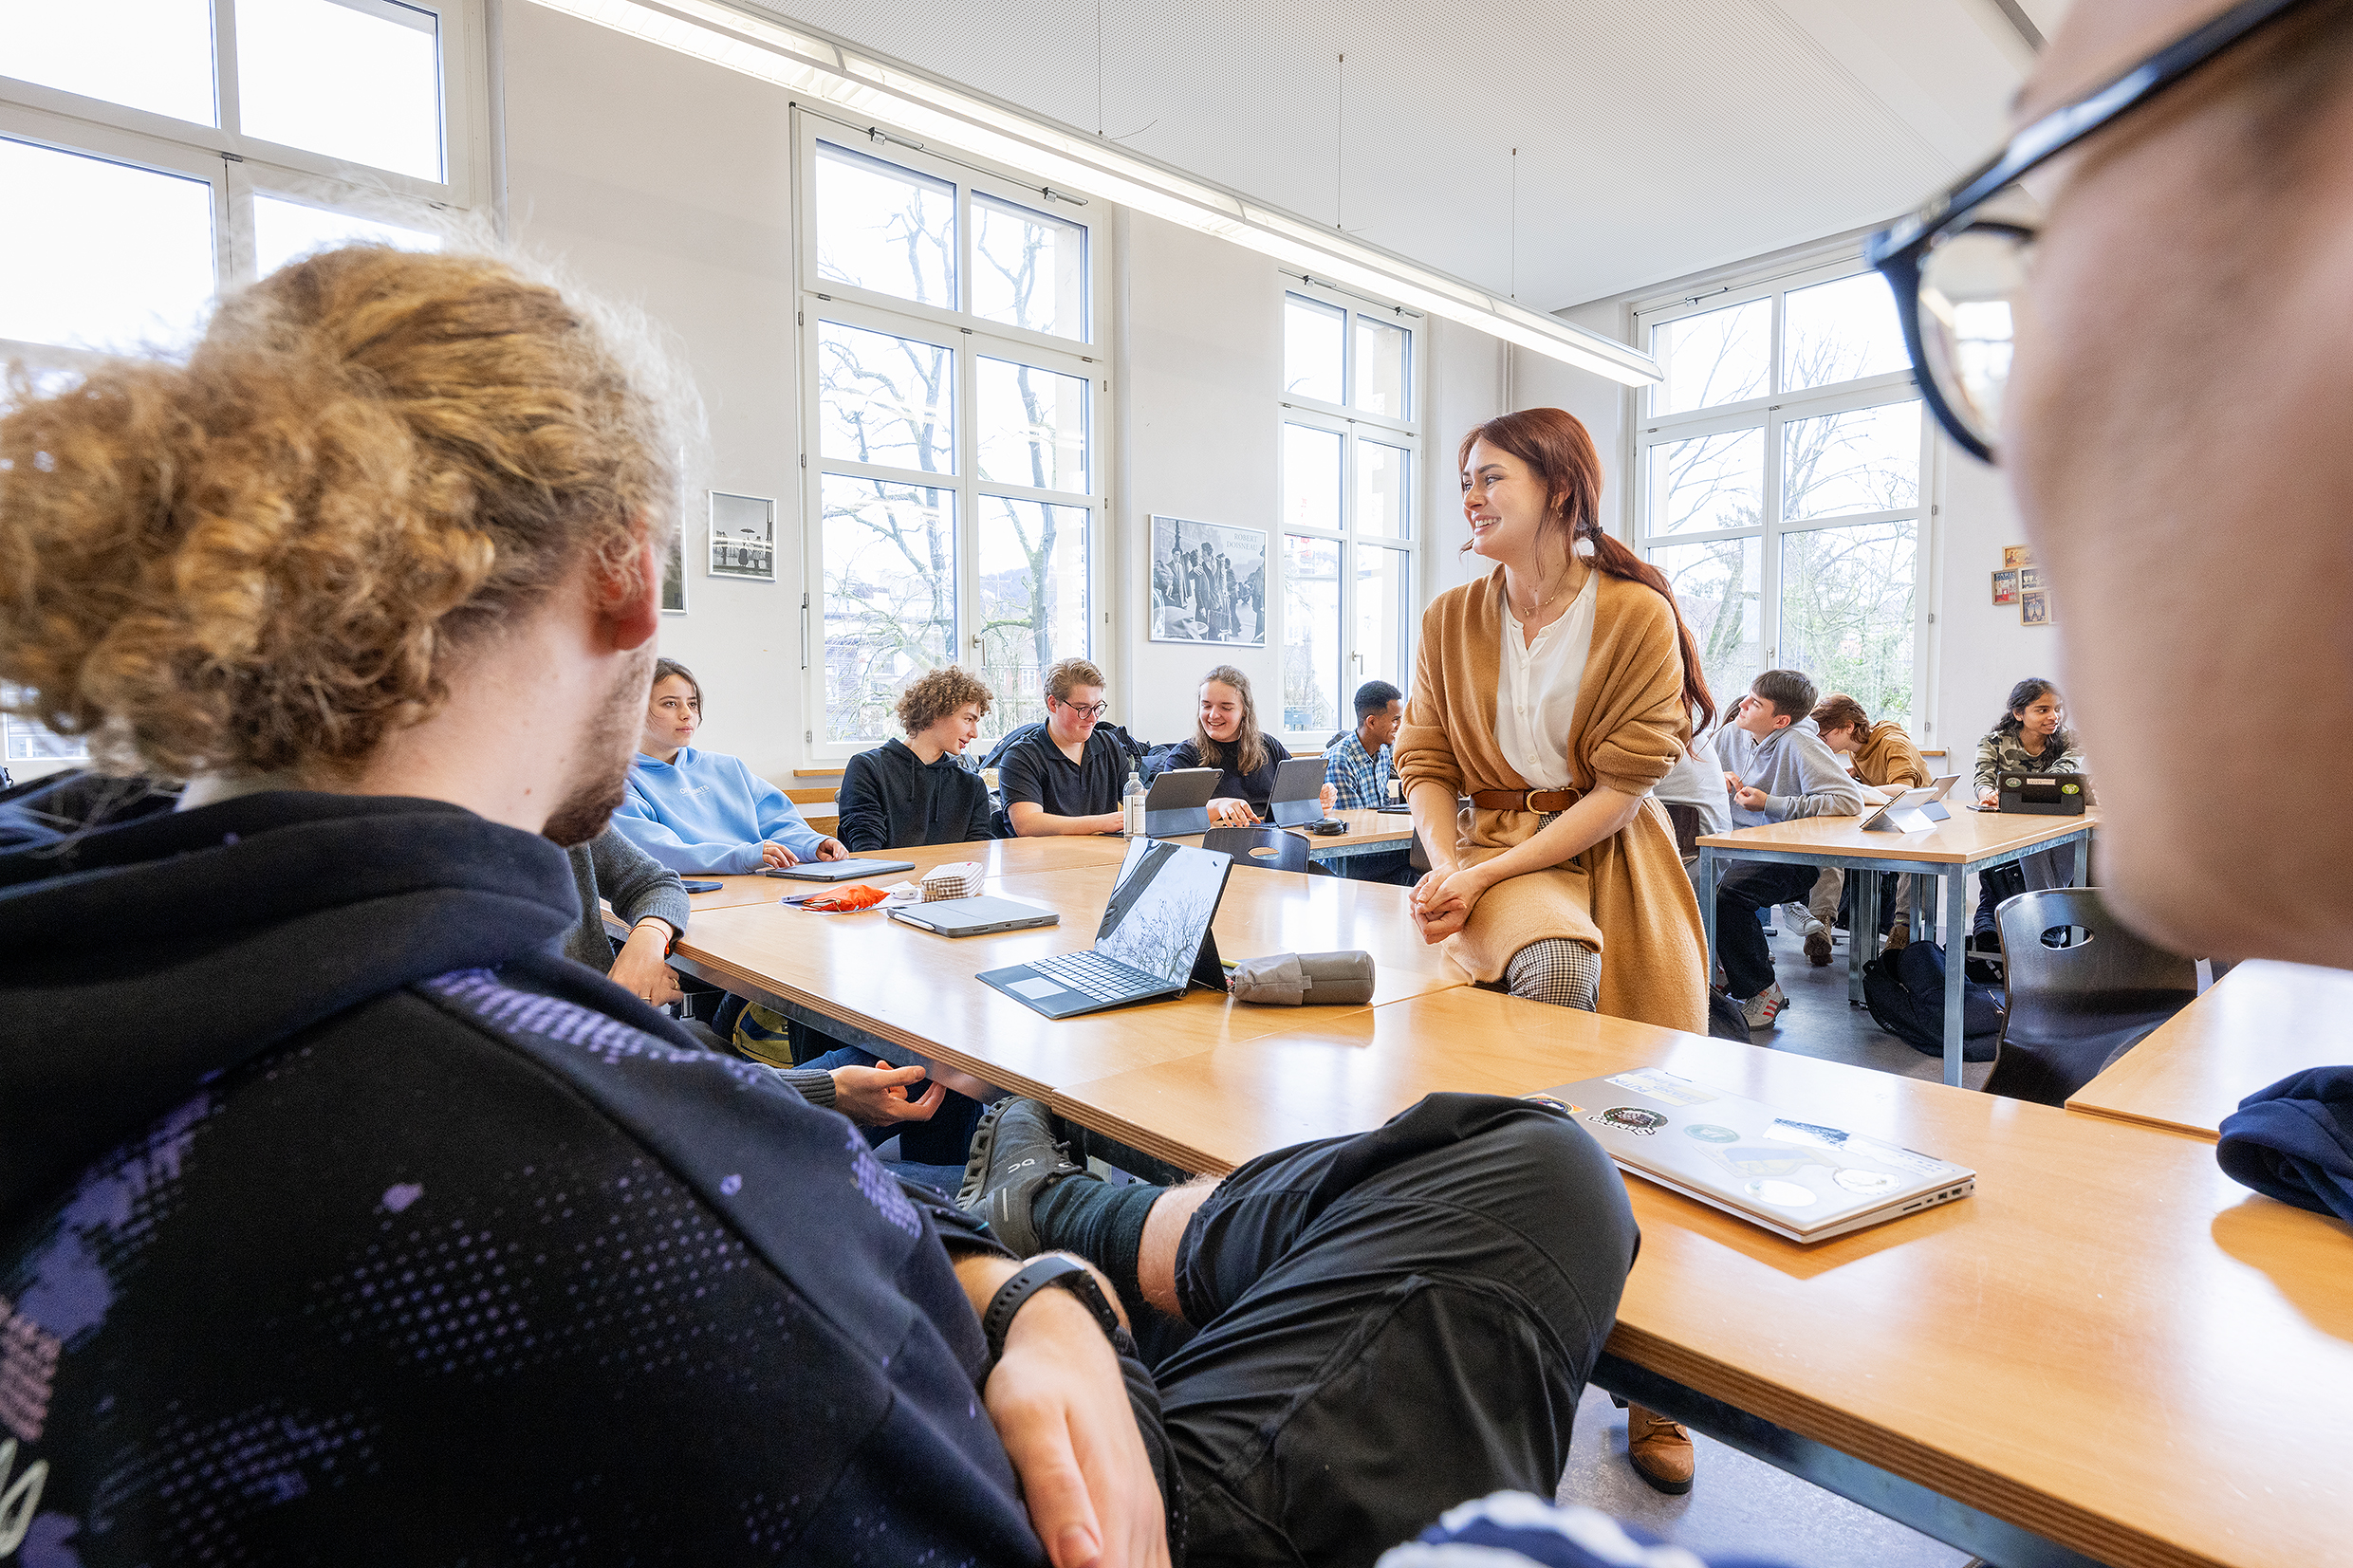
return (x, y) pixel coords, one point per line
(971, 338)
(1772, 411)
(1349, 422)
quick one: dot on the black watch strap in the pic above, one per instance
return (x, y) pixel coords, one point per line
(1036, 1276)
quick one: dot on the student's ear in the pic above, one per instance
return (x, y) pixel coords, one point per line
(629, 602)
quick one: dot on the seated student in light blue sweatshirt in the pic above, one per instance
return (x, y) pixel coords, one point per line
(1776, 768)
(702, 811)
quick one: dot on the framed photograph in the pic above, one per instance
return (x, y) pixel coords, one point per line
(2006, 588)
(2017, 555)
(2034, 609)
(673, 576)
(1209, 583)
(743, 537)
(2030, 579)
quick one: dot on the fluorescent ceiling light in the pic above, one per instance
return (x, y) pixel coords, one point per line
(953, 117)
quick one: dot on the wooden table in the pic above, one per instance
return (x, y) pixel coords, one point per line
(2255, 1025)
(1028, 854)
(2111, 1346)
(1369, 833)
(1968, 842)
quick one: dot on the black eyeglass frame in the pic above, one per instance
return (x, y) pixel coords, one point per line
(1897, 250)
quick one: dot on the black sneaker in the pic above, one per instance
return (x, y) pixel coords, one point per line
(1014, 1159)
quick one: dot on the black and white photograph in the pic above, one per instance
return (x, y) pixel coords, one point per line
(673, 576)
(1209, 583)
(743, 537)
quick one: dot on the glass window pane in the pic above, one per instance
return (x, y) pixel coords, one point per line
(1719, 357)
(1032, 602)
(1029, 269)
(1717, 586)
(890, 598)
(1310, 477)
(1384, 619)
(1708, 482)
(1865, 460)
(1033, 425)
(1382, 363)
(285, 229)
(1846, 612)
(123, 258)
(1385, 496)
(884, 227)
(1315, 349)
(886, 399)
(1311, 632)
(1838, 331)
(154, 55)
(27, 740)
(358, 80)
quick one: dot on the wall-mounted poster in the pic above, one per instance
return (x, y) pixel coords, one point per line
(2005, 587)
(2034, 609)
(2017, 555)
(673, 576)
(2030, 579)
(1209, 583)
(743, 537)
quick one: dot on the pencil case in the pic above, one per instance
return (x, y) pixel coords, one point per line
(1304, 979)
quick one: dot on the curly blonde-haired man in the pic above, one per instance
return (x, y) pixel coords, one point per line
(917, 791)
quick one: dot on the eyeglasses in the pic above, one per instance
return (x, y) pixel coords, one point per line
(1956, 264)
(1087, 710)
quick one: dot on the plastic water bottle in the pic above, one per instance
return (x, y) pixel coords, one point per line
(1132, 804)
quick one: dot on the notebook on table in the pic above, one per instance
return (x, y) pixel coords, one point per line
(1154, 941)
(838, 871)
(976, 916)
(1784, 1171)
(1178, 801)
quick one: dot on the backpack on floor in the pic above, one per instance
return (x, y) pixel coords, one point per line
(1905, 990)
(1725, 1020)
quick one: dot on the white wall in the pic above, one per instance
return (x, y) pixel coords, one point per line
(1977, 649)
(1466, 386)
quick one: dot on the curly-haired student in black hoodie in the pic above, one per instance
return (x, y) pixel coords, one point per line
(917, 791)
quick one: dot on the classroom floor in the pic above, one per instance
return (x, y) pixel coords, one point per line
(1820, 1022)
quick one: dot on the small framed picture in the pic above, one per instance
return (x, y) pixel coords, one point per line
(2017, 555)
(2005, 587)
(743, 537)
(673, 576)
(2030, 579)
(2034, 609)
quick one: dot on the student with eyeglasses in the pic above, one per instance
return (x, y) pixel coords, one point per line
(1065, 775)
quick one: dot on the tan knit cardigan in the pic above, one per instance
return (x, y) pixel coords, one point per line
(1627, 895)
(1888, 757)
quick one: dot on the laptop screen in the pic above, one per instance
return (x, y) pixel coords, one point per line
(1161, 906)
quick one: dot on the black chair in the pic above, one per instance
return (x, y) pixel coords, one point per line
(2082, 991)
(1685, 820)
(1269, 848)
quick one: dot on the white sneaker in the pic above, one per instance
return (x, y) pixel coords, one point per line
(1761, 1009)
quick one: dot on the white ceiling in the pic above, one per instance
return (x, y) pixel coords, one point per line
(1656, 137)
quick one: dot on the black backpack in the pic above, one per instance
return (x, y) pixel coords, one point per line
(1905, 990)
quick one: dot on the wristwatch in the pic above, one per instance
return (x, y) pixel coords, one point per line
(1045, 1272)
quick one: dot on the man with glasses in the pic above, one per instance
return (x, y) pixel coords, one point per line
(1066, 776)
(2140, 309)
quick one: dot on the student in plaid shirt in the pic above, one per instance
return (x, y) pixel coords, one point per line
(1358, 766)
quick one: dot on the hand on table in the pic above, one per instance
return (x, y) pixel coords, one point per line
(833, 849)
(638, 969)
(1443, 900)
(1224, 812)
(778, 855)
(1989, 800)
(876, 1096)
(1329, 796)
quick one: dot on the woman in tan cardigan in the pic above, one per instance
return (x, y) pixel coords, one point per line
(1555, 692)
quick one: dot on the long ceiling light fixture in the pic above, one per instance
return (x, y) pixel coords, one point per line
(1056, 156)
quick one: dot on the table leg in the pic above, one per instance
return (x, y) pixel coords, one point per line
(1703, 883)
(2083, 862)
(1863, 916)
(1956, 964)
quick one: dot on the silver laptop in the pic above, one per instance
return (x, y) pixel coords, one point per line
(1914, 810)
(1297, 798)
(977, 916)
(1155, 939)
(1778, 1169)
(1178, 801)
(838, 871)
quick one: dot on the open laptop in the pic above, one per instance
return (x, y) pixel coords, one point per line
(1780, 1170)
(1154, 941)
(1297, 798)
(1913, 810)
(2044, 794)
(1178, 801)
(838, 871)
(974, 916)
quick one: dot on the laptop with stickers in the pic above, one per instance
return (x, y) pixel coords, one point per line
(1781, 1171)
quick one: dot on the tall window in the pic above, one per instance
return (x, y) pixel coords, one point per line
(956, 451)
(1779, 483)
(1350, 439)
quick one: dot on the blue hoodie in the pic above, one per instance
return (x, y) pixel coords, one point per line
(708, 812)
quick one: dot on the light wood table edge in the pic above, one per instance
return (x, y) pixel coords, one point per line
(2107, 1113)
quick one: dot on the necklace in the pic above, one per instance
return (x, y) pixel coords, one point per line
(1537, 608)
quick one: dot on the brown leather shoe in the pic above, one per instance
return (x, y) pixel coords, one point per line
(1818, 947)
(1899, 936)
(1660, 1450)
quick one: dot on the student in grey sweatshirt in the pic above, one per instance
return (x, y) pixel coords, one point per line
(1776, 768)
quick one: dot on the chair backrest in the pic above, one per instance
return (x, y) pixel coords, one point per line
(1685, 820)
(2082, 990)
(1337, 736)
(1268, 848)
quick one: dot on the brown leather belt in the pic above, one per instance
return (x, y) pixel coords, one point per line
(1525, 800)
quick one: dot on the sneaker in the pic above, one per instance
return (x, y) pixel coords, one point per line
(1899, 935)
(1014, 1159)
(1818, 947)
(1761, 1009)
(1660, 1450)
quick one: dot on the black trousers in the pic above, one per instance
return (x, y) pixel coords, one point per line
(1745, 887)
(1390, 1324)
(1389, 867)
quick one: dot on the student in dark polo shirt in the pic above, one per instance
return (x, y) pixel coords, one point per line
(1066, 776)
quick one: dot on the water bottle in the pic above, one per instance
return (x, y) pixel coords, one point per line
(1132, 804)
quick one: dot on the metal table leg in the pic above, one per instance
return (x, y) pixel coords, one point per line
(1704, 884)
(1862, 926)
(1956, 963)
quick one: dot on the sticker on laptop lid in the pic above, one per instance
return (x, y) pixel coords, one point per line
(1807, 1131)
(1555, 1103)
(1660, 1085)
(1869, 1183)
(1633, 1119)
(1786, 1194)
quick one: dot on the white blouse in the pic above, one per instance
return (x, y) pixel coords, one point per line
(1536, 698)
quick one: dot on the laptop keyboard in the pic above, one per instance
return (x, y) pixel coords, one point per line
(1105, 978)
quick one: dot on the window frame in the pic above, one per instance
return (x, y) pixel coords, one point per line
(1352, 424)
(971, 338)
(1772, 413)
